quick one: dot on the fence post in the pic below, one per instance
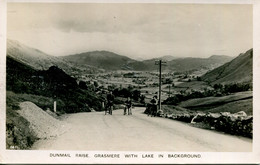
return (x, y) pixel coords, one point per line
(55, 106)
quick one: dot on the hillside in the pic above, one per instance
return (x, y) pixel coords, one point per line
(187, 64)
(210, 103)
(239, 70)
(102, 59)
(40, 60)
(53, 83)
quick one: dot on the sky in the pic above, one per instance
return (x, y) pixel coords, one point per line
(139, 31)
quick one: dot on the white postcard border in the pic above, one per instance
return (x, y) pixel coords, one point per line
(31, 156)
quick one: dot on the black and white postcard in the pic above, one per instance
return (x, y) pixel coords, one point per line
(129, 81)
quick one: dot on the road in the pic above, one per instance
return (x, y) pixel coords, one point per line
(95, 131)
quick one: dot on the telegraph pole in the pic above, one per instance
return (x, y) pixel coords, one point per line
(160, 62)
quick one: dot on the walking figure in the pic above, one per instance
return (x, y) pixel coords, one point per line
(153, 107)
(128, 106)
(110, 103)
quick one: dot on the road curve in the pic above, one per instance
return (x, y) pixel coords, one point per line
(95, 131)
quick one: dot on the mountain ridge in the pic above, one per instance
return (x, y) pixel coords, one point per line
(40, 60)
(101, 59)
(238, 70)
(95, 61)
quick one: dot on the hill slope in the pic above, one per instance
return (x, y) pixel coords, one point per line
(239, 70)
(53, 83)
(40, 60)
(197, 63)
(101, 59)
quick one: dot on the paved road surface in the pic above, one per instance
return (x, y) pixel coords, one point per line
(96, 131)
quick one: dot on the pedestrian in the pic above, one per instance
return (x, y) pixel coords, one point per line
(128, 106)
(110, 102)
(153, 109)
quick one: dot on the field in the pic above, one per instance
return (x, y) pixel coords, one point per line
(241, 101)
(194, 85)
(234, 103)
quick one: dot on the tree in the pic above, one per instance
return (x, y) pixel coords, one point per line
(124, 92)
(111, 87)
(142, 99)
(83, 85)
(198, 78)
(96, 84)
(136, 95)
(218, 86)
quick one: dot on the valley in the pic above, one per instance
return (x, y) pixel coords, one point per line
(218, 86)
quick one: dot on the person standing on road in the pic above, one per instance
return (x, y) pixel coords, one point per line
(110, 102)
(128, 106)
(153, 109)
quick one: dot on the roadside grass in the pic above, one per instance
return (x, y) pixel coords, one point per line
(13, 100)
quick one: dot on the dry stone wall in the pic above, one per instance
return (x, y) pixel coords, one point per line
(236, 124)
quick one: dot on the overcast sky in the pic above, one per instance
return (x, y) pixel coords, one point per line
(135, 30)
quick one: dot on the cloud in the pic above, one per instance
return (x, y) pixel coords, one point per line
(132, 29)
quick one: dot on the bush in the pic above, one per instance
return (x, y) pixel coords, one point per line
(174, 100)
(128, 92)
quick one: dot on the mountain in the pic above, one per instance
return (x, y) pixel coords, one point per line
(165, 58)
(219, 57)
(112, 61)
(96, 61)
(30, 56)
(102, 59)
(239, 70)
(168, 58)
(40, 60)
(189, 63)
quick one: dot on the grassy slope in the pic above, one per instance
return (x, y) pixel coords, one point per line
(18, 134)
(13, 100)
(40, 60)
(234, 103)
(233, 107)
(239, 70)
(241, 101)
(215, 100)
